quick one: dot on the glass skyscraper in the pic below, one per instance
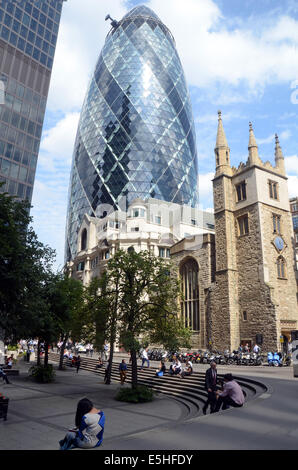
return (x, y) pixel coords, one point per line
(136, 136)
(28, 35)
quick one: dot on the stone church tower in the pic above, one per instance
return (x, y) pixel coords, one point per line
(255, 289)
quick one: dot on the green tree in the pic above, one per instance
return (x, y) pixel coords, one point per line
(101, 314)
(25, 266)
(147, 301)
(65, 301)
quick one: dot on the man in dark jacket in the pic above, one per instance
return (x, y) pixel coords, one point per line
(211, 387)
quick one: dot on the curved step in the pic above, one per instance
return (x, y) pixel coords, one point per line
(189, 392)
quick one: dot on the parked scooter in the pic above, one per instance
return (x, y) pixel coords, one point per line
(270, 359)
(277, 361)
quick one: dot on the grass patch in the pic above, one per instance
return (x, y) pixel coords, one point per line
(141, 394)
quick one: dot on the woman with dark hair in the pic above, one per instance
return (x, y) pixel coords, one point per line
(89, 429)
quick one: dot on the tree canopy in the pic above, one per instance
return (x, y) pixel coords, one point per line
(140, 300)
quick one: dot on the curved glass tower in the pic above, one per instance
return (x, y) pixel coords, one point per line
(136, 136)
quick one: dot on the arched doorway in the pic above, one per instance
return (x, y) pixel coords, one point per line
(189, 274)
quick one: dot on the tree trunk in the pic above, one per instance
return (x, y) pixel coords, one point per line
(134, 369)
(110, 363)
(62, 353)
(38, 353)
(46, 354)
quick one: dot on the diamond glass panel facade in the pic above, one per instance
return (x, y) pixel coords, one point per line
(28, 35)
(136, 136)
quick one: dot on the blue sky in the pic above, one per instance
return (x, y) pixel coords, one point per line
(238, 56)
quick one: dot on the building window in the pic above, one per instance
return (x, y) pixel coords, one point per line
(273, 189)
(276, 223)
(158, 219)
(241, 191)
(243, 225)
(161, 252)
(84, 239)
(189, 273)
(80, 266)
(244, 315)
(134, 229)
(137, 212)
(281, 268)
(164, 252)
(193, 222)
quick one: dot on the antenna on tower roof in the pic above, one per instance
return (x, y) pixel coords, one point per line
(114, 23)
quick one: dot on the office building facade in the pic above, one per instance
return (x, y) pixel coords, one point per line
(28, 36)
(136, 136)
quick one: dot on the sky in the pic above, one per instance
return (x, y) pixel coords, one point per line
(238, 57)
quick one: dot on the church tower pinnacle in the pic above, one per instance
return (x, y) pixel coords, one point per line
(253, 150)
(222, 151)
(279, 158)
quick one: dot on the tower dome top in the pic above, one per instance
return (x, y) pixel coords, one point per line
(141, 10)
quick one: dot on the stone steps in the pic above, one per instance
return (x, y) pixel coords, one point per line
(189, 392)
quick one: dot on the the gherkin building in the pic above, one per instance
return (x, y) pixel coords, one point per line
(136, 136)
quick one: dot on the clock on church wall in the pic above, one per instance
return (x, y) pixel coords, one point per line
(279, 243)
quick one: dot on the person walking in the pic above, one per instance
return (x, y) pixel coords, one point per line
(105, 351)
(78, 363)
(211, 387)
(123, 371)
(145, 358)
(4, 376)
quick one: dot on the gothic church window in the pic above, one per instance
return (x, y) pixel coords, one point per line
(241, 191)
(189, 273)
(243, 225)
(281, 268)
(273, 189)
(276, 223)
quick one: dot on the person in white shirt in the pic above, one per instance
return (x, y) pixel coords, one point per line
(175, 368)
(256, 349)
(145, 358)
(187, 369)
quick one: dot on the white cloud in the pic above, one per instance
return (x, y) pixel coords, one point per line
(293, 185)
(51, 184)
(81, 36)
(58, 141)
(49, 214)
(271, 138)
(291, 164)
(212, 54)
(205, 188)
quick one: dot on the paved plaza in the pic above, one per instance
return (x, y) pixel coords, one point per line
(39, 415)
